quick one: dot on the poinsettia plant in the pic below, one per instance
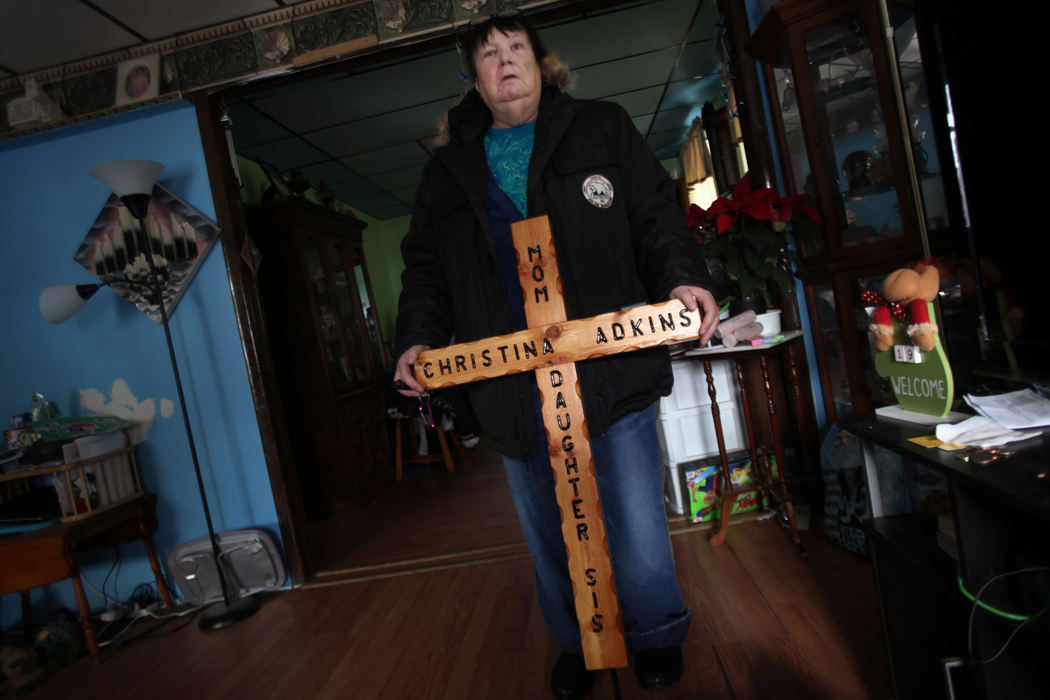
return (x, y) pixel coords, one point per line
(745, 234)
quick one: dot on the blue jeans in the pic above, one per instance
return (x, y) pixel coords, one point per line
(627, 465)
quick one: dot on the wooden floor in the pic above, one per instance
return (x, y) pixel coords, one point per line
(390, 619)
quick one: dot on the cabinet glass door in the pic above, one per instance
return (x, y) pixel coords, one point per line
(350, 314)
(794, 137)
(857, 144)
(327, 313)
(371, 322)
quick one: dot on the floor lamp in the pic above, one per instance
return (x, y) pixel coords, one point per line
(132, 181)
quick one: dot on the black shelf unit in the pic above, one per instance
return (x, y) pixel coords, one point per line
(1001, 513)
(923, 612)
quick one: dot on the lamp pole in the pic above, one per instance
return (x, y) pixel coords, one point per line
(132, 181)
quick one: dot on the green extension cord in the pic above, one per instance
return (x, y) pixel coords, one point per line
(1015, 617)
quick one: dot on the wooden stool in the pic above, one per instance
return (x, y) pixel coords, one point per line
(401, 425)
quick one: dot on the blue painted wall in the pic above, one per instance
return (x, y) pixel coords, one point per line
(49, 201)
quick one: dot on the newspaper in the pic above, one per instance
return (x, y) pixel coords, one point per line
(1016, 410)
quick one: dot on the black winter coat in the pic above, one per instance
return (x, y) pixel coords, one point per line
(633, 251)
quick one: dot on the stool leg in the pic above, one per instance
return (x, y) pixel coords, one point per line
(399, 463)
(451, 468)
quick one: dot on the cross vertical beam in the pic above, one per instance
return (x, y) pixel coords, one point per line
(568, 442)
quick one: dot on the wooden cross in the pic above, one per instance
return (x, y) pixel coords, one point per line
(551, 346)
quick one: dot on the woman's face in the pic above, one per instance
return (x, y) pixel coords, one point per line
(508, 74)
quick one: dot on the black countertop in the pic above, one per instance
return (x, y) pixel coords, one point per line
(1020, 482)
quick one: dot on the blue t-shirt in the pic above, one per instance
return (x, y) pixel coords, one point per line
(508, 152)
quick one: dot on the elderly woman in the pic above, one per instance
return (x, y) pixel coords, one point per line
(519, 148)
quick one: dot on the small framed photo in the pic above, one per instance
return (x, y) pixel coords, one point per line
(138, 79)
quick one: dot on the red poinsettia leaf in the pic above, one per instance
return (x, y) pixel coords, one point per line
(695, 217)
(759, 206)
(725, 220)
(743, 188)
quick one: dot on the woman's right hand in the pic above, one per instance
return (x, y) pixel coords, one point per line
(404, 377)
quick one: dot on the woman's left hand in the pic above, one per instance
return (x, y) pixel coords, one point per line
(699, 298)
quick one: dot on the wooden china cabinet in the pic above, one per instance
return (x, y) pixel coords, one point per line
(324, 338)
(841, 113)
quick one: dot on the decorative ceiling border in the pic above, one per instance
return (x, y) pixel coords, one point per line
(272, 43)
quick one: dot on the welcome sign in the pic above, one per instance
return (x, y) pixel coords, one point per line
(922, 381)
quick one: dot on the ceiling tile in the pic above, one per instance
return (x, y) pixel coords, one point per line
(621, 32)
(37, 35)
(626, 74)
(251, 128)
(157, 20)
(386, 159)
(286, 154)
(408, 124)
(346, 191)
(331, 171)
(637, 102)
(674, 119)
(372, 92)
(397, 179)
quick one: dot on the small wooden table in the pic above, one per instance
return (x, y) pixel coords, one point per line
(42, 557)
(774, 485)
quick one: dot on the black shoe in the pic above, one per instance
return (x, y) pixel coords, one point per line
(570, 678)
(658, 668)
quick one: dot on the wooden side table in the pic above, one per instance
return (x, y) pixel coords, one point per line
(42, 557)
(774, 484)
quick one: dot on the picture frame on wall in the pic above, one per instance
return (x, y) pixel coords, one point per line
(114, 250)
(138, 79)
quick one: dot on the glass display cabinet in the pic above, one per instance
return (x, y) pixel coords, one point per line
(840, 120)
(321, 330)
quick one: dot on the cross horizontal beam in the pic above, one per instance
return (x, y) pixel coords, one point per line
(566, 341)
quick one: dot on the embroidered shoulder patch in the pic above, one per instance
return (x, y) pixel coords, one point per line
(598, 191)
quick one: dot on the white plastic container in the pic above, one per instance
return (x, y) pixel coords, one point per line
(770, 322)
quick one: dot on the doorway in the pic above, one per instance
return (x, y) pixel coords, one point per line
(359, 132)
